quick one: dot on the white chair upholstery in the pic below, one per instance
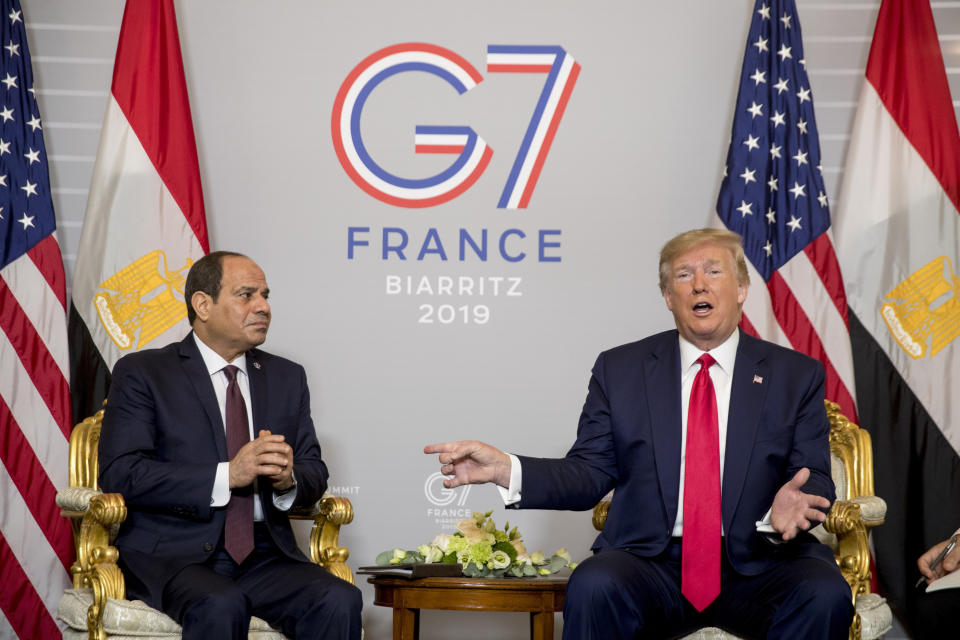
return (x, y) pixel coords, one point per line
(133, 619)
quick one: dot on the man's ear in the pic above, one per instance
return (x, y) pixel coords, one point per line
(668, 299)
(201, 305)
(742, 293)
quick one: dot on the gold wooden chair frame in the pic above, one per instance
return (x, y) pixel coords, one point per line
(856, 511)
(95, 517)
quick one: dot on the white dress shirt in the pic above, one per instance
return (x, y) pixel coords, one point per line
(221, 484)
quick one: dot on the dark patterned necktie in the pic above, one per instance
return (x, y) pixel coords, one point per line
(700, 571)
(238, 531)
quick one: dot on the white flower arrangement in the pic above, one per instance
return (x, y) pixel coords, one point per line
(483, 550)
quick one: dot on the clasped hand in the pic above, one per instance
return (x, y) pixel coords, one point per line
(793, 510)
(268, 456)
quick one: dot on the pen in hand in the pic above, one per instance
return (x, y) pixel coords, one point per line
(943, 554)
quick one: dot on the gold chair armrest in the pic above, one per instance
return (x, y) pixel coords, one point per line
(873, 510)
(852, 553)
(96, 563)
(600, 514)
(328, 515)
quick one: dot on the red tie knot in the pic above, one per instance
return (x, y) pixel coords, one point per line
(706, 361)
(231, 372)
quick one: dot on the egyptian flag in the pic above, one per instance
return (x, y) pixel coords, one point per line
(897, 231)
(145, 223)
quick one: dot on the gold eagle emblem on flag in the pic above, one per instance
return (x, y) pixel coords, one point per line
(923, 312)
(144, 296)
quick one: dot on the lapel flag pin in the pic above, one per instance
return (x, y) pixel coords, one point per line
(758, 379)
(256, 365)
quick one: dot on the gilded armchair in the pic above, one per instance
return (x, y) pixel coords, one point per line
(846, 530)
(96, 607)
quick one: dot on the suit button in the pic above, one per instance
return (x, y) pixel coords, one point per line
(207, 546)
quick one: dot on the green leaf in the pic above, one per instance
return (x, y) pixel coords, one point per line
(529, 570)
(383, 559)
(508, 549)
(556, 563)
(450, 558)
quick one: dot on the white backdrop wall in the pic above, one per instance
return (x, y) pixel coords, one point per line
(637, 157)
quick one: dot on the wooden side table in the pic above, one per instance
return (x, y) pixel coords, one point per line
(541, 597)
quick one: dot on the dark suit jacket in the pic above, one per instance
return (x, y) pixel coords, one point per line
(162, 438)
(629, 439)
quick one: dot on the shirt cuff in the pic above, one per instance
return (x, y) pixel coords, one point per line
(511, 495)
(221, 486)
(764, 526)
(283, 500)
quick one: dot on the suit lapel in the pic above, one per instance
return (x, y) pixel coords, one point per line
(748, 393)
(196, 372)
(662, 377)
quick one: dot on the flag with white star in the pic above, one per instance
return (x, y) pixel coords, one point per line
(773, 195)
(26, 207)
(36, 547)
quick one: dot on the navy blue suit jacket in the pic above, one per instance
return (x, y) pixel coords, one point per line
(629, 439)
(162, 439)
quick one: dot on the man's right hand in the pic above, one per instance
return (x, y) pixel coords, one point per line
(949, 564)
(471, 462)
(268, 455)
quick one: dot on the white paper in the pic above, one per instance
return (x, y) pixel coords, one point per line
(949, 581)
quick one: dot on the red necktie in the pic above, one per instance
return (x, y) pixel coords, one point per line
(238, 531)
(700, 572)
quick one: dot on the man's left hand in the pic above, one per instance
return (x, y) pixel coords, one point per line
(794, 511)
(283, 479)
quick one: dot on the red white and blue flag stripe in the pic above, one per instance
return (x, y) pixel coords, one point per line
(35, 542)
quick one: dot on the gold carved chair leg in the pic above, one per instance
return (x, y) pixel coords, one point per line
(93, 517)
(96, 565)
(857, 510)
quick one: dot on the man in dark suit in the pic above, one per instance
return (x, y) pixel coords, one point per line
(717, 446)
(207, 538)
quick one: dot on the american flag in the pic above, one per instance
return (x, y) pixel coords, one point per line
(773, 195)
(35, 542)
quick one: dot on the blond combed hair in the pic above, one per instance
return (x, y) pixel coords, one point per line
(689, 239)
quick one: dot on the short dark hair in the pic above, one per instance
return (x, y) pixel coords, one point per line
(205, 275)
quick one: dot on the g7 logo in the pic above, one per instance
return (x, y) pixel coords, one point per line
(473, 154)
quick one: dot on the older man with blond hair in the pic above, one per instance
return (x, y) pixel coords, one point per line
(716, 444)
